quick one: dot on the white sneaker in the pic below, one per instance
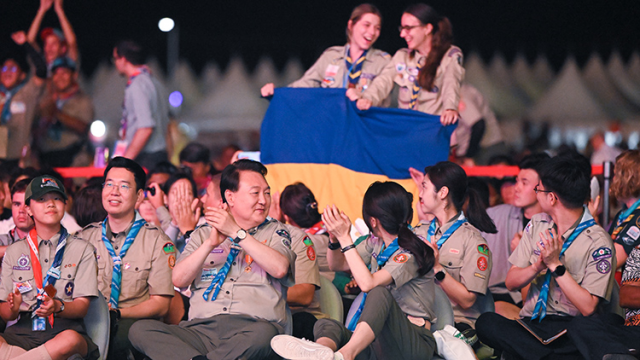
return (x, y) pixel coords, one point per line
(292, 348)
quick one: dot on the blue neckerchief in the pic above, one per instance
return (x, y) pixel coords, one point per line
(381, 259)
(116, 277)
(221, 276)
(354, 68)
(625, 214)
(53, 274)
(6, 109)
(432, 229)
(541, 305)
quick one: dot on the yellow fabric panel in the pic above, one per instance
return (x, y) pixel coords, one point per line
(333, 184)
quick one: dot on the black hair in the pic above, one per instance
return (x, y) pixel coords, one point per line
(567, 177)
(299, 203)
(451, 175)
(230, 178)
(533, 161)
(481, 187)
(18, 58)
(179, 176)
(195, 153)
(137, 170)
(87, 205)
(131, 51)
(20, 186)
(390, 204)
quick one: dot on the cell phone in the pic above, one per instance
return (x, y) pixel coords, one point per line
(595, 188)
(251, 155)
(151, 190)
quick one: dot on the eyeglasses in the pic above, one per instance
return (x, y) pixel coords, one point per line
(540, 191)
(13, 69)
(407, 28)
(123, 188)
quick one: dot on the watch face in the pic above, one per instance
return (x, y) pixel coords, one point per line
(241, 234)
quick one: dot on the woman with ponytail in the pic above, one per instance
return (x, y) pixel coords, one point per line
(428, 72)
(463, 259)
(394, 268)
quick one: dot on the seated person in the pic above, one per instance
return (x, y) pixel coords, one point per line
(23, 222)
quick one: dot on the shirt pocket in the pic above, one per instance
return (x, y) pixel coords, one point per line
(135, 276)
(25, 277)
(453, 264)
(68, 280)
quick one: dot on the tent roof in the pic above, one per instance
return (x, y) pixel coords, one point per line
(599, 83)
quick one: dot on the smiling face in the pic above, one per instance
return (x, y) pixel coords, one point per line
(119, 193)
(365, 31)
(415, 33)
(48, 209)
(53, 48)
(250, 204)
(21, 218)
(62, 79)
(11, 74)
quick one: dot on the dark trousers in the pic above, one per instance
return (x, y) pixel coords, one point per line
(303, 323)
(119, 344)
(396, 336)
(515, 341)
(596, 336)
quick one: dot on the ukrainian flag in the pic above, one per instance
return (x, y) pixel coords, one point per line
(320, 138)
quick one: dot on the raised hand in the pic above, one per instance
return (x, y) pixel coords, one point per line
(338, 224)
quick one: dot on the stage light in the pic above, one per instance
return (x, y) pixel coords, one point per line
(98, 129)
(166, 24)
(175, 99)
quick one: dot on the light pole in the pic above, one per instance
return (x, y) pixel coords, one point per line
(169, 26)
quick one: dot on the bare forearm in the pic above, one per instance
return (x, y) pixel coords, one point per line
(140, 139)
(69, 34)
(630, 296)
(6, 313)
(274, 263)
(35, 26)
(75, 309)
(518, 277)
(301, 294)
(579, 296)
(156, 307)
(457, 292)
(336, 261)
(72, 122)
(359, 270)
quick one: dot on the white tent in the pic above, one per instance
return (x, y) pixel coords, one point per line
(618, 74)
(501, 76)
(184, 80)
(602, 87)
(633, 67)
(265, 72)
(293, 71)
(542, 70)
(210, 78)
(523, 76)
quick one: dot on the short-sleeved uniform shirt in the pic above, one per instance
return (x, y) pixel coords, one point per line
(330, 69)
(588, 260)
(306, 267)
(9, 238)
(631, 275)
(146, 106)
(466, 257)
(248, 289)
(414, 294)
(320, 238)
(146, 268)
(403, 70)
(629, 234)
(77, 271)
(59, 136)
(23, 110)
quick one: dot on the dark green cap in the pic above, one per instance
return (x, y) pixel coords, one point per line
(42, 185)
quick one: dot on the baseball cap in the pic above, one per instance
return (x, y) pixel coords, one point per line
(42, 185)
(51, 31)
(64, 62)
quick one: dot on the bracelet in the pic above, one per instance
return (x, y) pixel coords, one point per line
(348, 247)
(334, 246)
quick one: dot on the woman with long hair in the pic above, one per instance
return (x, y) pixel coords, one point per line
(463, 260)
(428, 72)
(353, 65)
(394, 268)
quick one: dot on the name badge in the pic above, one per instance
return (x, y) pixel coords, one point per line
(18, 107)
(24, 287)
(208, 274)
(38, 324)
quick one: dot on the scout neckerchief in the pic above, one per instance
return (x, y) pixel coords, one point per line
(415, 89)
(541, 306)
(624, 218)
(221, 276)
(123, 122)
(317, 229)
(116, 277)
(381, 259)
(8, 96)
(432, 229)
(354, 68)
(54, 271)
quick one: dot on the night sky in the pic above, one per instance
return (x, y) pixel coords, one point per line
(216, 30)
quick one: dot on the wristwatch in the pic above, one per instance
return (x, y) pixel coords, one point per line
(559, 271)
(334, 245)
(240, 235)
(61, 306)
(440, 275)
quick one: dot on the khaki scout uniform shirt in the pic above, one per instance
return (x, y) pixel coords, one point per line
(321, 243)
(248, 289)
(80, 107)
(465, 256)
(588, 260)
(23, 109)
(414, 294)
(403, 70)
(306, 268)
(146, 268)
(330, 69)
(77, 271)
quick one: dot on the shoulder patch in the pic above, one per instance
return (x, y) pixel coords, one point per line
(169, 248)
(284, 233)
(479, 276)
(603, 266)
(311, 254)
(483, 249)
(401, 258)
(386, 55)
(172, 261)
(633, 232)
(601, 253)
(307, 241)
(482, 263)
(287, 243)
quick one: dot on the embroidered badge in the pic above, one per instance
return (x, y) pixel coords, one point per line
(68, 290)
(528, 227)
(479, 276)
(168, 248)
(328, 81)
(401, 258)
(69, 265)
(536, 252)
(247, 269)
(400, 67)
(311, 254)
(127, 266)
(435, 89)
(49, 182)
(307, 241)
(601, 253)
(208, 274)
(172, 261)
(413, 71)
(217, 251)
(603, 266)
(627, 240)
(454, 251)
(286, 243)
(483, 249)
(412, 78)
(633, 232)
(482, 263)
(332, 71)
(23, 263)
(284, 233)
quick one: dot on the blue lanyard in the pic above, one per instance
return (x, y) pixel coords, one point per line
(432, 229)
(53, 274)
(625, 214)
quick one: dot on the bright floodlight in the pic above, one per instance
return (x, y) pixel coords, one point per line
(166, 24)
(98, 129)
(175, 99)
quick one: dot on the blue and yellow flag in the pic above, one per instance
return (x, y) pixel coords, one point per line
(319, 137)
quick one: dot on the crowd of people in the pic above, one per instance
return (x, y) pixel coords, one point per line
(202, 261)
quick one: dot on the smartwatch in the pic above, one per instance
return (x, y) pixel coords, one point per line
(440, 275)
(334, 245)
(559, 271)
(240, 235)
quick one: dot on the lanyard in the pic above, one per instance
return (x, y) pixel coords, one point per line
(432, 229)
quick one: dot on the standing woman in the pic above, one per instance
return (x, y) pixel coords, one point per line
(429, 71)
(463, 259)
(353, 65)
(394, 268)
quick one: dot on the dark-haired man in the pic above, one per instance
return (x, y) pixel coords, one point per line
(145, 113)
(23, 222)
(238, 269)
(567, 261)
(135, 258)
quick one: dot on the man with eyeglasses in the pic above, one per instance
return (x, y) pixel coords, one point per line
(18, 99)
(135, 258)
(567, 261)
